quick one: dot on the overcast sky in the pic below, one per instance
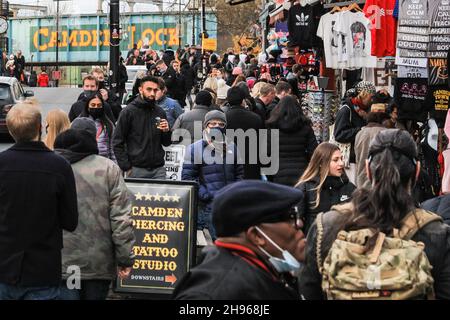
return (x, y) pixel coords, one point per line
(90, 6)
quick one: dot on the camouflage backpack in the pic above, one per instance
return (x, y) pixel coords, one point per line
(394, 268)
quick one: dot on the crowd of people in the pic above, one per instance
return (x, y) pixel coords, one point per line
(276, 235)
(13, 65)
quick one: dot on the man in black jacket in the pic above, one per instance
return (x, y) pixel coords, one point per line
(38, 200)
(267, 94)
(258, 249)
(282, 89)
(90, 87)
(141, 132)
(238, 117)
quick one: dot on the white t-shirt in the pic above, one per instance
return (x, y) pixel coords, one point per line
(332, 40)
(355, 29)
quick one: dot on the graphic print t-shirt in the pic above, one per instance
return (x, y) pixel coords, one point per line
(438, 72)
(410, 96)
(440, 13)
(302, 25)
(384, 26)
(414, 13)
(332, 40)
(355, 28)
(438, 99)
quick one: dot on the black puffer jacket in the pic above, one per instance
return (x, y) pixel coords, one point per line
(335, 190)
(439, 205)
(435, 236)
(296, 148)
(137, 141)
(347, 125)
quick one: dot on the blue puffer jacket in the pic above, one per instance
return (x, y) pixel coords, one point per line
(172, 108)
(211, 177)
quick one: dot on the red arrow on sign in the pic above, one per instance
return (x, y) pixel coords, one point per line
(172, 279)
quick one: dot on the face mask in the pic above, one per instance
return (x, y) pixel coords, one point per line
(287, 264)
(96, 112)
(89, 93)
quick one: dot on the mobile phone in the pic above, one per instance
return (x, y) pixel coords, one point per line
(158, 121)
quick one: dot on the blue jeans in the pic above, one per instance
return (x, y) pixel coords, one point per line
(204, 219)
(9, 292)
(90, 290)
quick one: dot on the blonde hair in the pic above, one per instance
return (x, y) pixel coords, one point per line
(24, 121)
(57, 121)
(256, 91)
(319, 166)
(97, 70)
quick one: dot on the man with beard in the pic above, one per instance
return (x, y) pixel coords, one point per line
(141, 132)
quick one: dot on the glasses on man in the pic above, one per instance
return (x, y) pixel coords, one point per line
(214, 124)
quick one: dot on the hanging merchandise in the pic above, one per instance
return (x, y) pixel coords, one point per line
(438, 72)
(414, 13)
(438, 99)
(410, 96)
(347, 39)
(412, 72)
(302, 24)
(383, 26)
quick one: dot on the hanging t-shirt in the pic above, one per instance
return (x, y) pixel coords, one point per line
(383, 26)
(438, 72)
(412, 53)
(448, 66)
(440, 13)
(332, 40)
(302, 25)
(438, 99)
(410, 96)
(414, 13)
(413, 30)
(412, 72)
(355, 28)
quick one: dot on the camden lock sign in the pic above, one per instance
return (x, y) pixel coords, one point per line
(164, 219)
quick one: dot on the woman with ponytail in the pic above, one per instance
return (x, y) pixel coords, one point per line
(324, 183)
(392, 168)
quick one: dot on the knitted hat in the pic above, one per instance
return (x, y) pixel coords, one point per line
(203, 98)
(214, 115)
(84, 124)
(237, 71)
(366, 86)
(235, 96)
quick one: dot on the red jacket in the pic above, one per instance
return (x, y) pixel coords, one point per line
(43, 80)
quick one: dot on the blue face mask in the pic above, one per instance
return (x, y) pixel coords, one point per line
(287, 264)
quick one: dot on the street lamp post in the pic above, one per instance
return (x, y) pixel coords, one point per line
(57, 42)
(114, 49)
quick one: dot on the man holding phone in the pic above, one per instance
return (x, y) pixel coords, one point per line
(141, 132)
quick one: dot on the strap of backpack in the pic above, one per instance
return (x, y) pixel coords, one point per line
(319, 224)
(415, 221)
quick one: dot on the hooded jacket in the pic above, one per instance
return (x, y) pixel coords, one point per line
(104, 238)
(347, 125)
(137, 141)
(78, 107)
(335, 190)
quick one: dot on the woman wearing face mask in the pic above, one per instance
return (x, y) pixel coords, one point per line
(57, 121)
(212, 162)
(94, 109)
(324, 183)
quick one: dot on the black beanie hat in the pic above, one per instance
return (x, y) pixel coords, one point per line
(203, 98)
(235, 96)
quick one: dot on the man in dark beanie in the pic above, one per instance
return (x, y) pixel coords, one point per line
(103, 242)
(239, 117)
(213, 162)
(260, 243)
(183, 130)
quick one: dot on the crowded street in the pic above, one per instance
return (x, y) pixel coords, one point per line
(238, 150)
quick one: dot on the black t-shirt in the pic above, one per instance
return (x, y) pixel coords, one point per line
(302, 25)
(410, 96)
(438, 103)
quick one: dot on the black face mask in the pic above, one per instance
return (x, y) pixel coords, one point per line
(96, 112)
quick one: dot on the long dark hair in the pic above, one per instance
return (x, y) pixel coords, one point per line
(287, 115)
(104, 119)
(392, 156)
